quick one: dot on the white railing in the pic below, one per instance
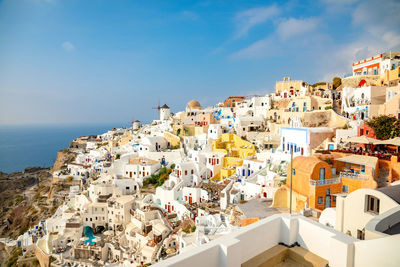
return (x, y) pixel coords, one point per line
(325, 181)
(352, 175)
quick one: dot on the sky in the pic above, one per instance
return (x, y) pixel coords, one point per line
(97, 61)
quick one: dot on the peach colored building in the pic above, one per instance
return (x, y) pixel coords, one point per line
(314, 185)
(231, 101)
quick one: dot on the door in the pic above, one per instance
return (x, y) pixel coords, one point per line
(327, 201)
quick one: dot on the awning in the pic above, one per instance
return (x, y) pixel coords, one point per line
(361, 140)
(394, 142)
(360, 160)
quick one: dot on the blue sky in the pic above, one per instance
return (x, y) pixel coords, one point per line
(94, 61)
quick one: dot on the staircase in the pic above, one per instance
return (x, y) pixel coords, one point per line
(383, 177)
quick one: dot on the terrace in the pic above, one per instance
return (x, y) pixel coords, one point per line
(325, 181)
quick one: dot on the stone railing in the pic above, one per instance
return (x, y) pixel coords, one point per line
(325, 181)
(352, 175)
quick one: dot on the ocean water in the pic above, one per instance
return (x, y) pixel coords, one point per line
(26, 146)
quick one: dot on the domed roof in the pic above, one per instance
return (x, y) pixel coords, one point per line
(193, 104)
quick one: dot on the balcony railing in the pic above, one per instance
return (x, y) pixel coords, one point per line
(352, 175)
(325, 181)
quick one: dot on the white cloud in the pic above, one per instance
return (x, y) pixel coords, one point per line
(380, 20)
(190, 15)
(260, 49)
(68, 46)
(249, 18)
(294, 27)
(339, 2)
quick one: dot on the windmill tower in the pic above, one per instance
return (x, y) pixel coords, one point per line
(136, 124)
(163, 111)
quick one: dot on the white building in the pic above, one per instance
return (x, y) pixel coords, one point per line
(362, 102)
(139, 168)
(214, 131)
(355, 210)
(303, 139)
(329, 246)
(165, 113)
(377, 64)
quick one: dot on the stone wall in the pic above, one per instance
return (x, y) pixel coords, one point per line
(44, 260)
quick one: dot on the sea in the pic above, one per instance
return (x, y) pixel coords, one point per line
(37, 145)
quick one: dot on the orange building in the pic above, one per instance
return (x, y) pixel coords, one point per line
(367, 131)
(357, 171)
(231, 101)
(313, 184)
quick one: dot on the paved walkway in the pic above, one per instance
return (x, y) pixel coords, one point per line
(259, 208)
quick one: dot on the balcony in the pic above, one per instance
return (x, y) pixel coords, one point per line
(352, 175)
(325, 181)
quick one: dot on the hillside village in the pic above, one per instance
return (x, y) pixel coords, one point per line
(209, 185)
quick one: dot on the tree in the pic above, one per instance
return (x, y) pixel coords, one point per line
(383, 126)
(336, 82)
(396, 129)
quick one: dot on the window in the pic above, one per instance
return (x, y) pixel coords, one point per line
(320, 200)
(322, 174)
(361, 234)
(334, 199)
(372, 204)
(328, 191)
(345, 189)
(362, 168)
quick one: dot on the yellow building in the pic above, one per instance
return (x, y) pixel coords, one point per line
(236, 150)
(188, 130)
(119, 140)
(289, 85)
(391, 77)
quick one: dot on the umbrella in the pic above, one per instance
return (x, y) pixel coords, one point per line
(394, 141)
(108, 232)
(361, 140)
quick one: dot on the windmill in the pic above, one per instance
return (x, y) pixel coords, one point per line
(158, 107)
